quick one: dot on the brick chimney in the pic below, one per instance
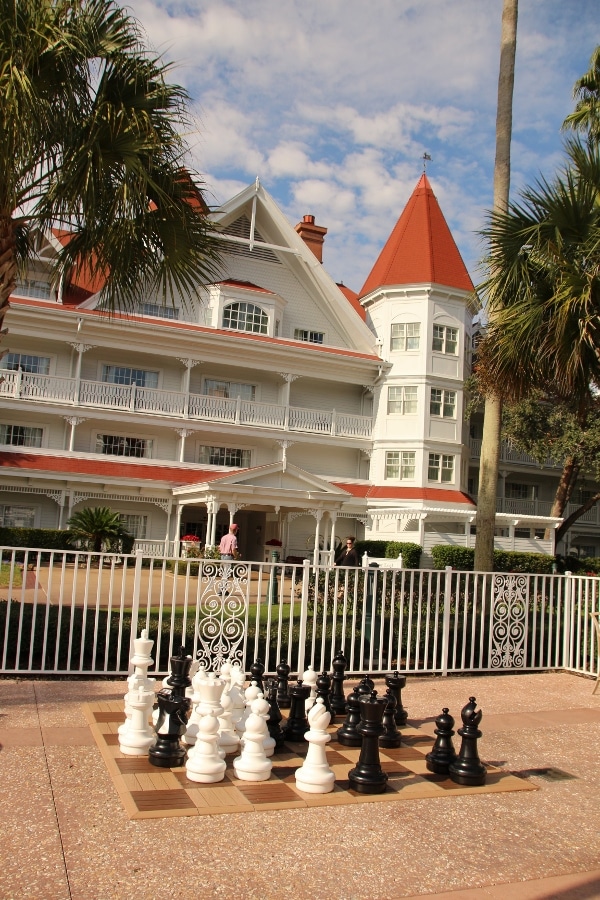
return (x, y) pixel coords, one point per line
(312, 235)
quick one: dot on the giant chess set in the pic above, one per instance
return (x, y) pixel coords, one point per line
(206, 743)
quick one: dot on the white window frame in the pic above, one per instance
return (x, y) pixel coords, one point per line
(405, 466)
(440, 468)
(160, 311)
(209, 447)
(131, 369)
(230, 392)
(445, 339)
(402, 334)
(25, 355)
(444, 406)
(9, 425)
(148, 449)
(140, 529)
(310, 337)
(17, 506)
(403, 404)
(261, 321)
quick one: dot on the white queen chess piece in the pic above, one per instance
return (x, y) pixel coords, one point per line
(314, 776)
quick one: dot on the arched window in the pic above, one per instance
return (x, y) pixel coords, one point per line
(245, 317)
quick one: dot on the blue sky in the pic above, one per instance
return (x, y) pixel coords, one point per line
(332, 103)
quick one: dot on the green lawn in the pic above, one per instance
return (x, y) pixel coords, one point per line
(17, 576)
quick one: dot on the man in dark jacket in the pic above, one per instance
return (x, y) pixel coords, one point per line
(349, 555)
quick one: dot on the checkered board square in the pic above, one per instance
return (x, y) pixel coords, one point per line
(148, 792)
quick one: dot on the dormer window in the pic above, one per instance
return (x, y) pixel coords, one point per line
(245, 317)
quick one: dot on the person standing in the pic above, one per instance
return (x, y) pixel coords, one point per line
(349, 555)
(228, 547)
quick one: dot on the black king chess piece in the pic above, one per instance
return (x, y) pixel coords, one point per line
(297, 723)
(275, 717)
(257, 670)
(283, 694)
(348, 734)
(173, 712)
(391, 737)
(467, 767)
(367, 777)
(442, 753)
(395, 681)
(338, 700)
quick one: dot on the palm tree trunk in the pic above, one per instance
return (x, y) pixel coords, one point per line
(8, 262)
(564, 491)
(490, 445)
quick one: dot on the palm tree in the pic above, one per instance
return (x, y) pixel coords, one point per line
(492, 422)
(90, 142)
(586, 115)
(97, 528)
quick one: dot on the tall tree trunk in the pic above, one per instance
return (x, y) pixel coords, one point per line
(8, 262)
(490, 445)
(564, 491)
(570, 520)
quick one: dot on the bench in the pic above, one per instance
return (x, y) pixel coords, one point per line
(382, 562)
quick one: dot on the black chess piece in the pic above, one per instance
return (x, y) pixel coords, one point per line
(174, 709)
(297, 724)
(257, 670)
(391, 737)
(348, 734)
(396, 682)
(337, 698)
(283, 695)
(324, 691)
(442, 753)
(365, 686)
(367, 777)
(275, 717)
(467, 767)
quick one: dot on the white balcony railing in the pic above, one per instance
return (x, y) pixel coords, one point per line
(509, 454)
(176, 404)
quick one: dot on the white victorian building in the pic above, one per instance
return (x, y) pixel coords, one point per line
(276, 398)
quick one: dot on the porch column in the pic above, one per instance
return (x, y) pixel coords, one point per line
(80, 349)
(168, 528)
(422, 518)
(73, 421)
(177, 546)
(213, 508)
(502, 473)
(318, 514)
(468, 524)
(185, 382)
(285, 394)
(333, 520)
(183, 433)
(232, 508)
(511, 532)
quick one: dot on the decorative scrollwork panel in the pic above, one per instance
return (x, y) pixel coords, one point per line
(222, 609)
(509, 622)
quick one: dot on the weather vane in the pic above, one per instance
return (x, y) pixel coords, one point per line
(426, 159)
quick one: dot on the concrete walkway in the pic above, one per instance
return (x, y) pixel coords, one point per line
(64, 833)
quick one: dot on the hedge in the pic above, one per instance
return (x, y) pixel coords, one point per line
(411, 553)
(462, 558)
(49, 539)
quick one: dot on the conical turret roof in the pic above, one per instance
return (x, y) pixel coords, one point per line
(420, 249)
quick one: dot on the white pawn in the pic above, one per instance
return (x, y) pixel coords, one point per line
(237, 681)
(253, 764)
(229, 741)
(250, 695)
(138, 680)
(310, 677)
(314, 775)
(204, 763)
(200, 677)
(261, 707)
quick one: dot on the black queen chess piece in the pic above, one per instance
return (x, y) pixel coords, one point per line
(173, 711)
(467, 768)
(396, 682)
(442, 753)
(339, 665)
(348, 734)
(297, 723)
(367, 777)
(283, 693)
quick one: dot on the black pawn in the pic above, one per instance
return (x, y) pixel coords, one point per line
(283, 695)
(365, 686)
(442, 752)
(467, 767)
(324, 691)
(391, 737)
(173, 712)
(297, 724)
(275, 717)
(395, 681)
(338, 700)
(368, 777)
(348, 734)
(257, 670)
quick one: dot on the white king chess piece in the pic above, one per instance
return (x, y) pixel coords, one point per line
(139, 681)
(253, 764)
(314, 776)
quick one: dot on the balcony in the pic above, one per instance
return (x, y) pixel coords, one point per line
(179, 405)
(510, 455)
(543, 508)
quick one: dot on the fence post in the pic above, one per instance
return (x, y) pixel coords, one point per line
(446, 623)
(135, 605)
(304, 613)
(567, 653)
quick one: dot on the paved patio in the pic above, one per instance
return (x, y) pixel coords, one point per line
(65, 834)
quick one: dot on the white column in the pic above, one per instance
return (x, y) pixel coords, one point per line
(185, 383)
(333, 518)
(177, 529)
(80, 350)
(317, 513)
(73, 421)
(183, 433)
(213, 509)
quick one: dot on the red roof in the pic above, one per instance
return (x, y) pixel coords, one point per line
(111, 468)
(82, 283)
(352, 297)
(420, 249)
(373, 492)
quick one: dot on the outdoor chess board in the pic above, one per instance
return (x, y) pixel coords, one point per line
(148, 792)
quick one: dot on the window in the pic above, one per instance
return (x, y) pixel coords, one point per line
(402, 401)
(313, 337)
(126, 375)
(24, 362)
(134, 524)
(442, 403)
(118, 445)
(17, 516)
(229, 389)
(162, 312)
(29, 287)
(515, 491)
(245, 317)
(405, 336)
(400, 464)
(445, 339)
(224, 456)
(21, 436)
(441, 467)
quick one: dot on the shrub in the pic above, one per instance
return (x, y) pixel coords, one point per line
(579, 565)
(35, 538)
(373, 548)
(411, 553)
(462, 559)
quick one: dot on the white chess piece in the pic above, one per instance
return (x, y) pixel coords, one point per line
(200, 677)
(314, 776)
(263, 709)
(250, 695)
(310, 677)
(237, 681)
(139, 736)
(138, 680)
(253, 764)
(204, 763)
(229, 740)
